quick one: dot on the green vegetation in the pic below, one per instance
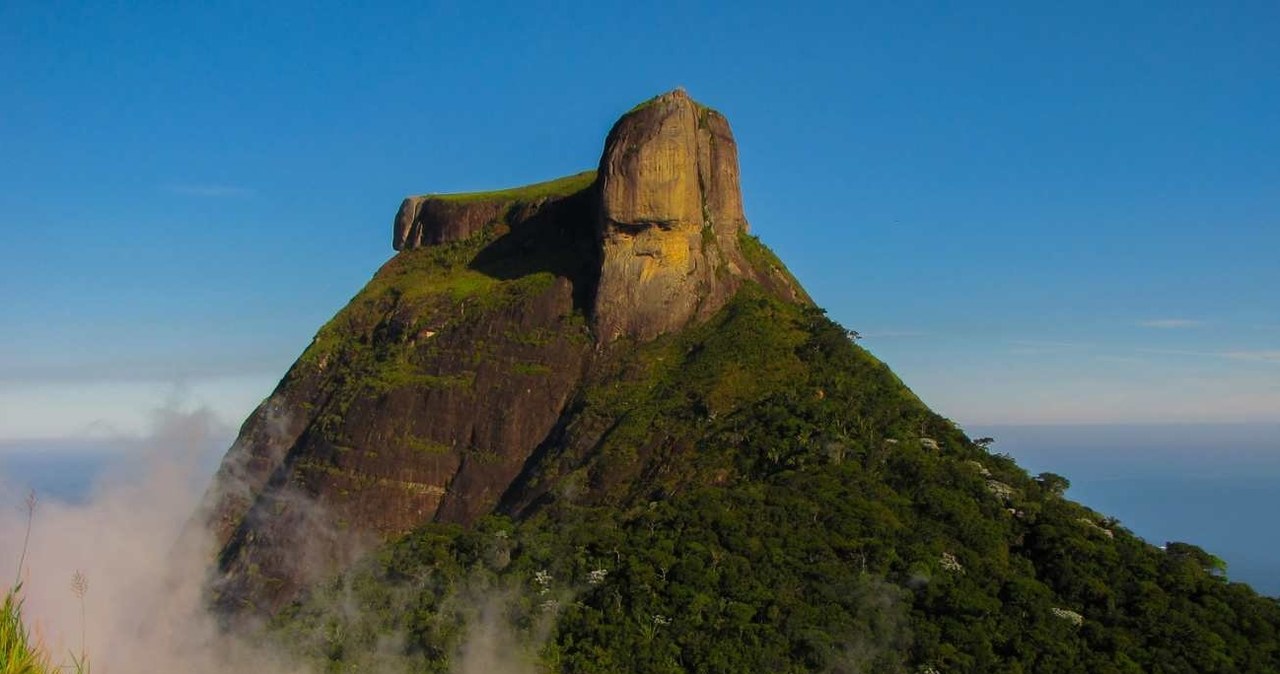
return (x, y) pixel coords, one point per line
(382, 340)
(753, 493)
(19, 652)
(559, 187)
(702, 109)
(531, 369)
(763, 259)
(757, 493)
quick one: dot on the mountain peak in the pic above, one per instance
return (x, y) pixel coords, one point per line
(437, 391)
(669, 221)
(670, 218)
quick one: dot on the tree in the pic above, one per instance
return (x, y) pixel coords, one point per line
(1053, 483)
(1212, 564)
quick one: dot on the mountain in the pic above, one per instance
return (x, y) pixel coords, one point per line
(598, 413)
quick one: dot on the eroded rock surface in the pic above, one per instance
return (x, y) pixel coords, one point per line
(670, 218)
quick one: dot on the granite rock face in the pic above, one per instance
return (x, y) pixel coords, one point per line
(424, 221)
(670, 219)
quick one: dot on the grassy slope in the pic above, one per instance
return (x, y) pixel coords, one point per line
(768, 497)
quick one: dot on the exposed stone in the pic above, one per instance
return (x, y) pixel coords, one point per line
(1068, 615)
(434, 219)
(427, 221)
(670, 218)
(1000, 490)
(428, 396)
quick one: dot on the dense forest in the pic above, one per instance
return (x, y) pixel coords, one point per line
(770, 497)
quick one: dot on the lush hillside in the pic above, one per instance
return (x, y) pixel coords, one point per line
(799, 510)
(593, 425)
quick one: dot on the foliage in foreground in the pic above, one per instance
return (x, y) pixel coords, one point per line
(18, 653)
(786, 505)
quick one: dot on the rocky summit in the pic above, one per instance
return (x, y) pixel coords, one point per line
(429, 394)
(670, 220)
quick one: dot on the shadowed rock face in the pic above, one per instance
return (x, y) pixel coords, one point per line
(456, 368)
(423, 221)
(670, 218)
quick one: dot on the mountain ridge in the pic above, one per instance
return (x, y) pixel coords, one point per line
(606, 379)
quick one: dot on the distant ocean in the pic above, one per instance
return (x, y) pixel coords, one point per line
(1217, 486)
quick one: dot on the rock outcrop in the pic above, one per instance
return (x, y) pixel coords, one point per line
(433, 219)
(448, 377)
(670, 218)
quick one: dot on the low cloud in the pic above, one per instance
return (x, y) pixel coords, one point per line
(120, 576)
(1171, 323)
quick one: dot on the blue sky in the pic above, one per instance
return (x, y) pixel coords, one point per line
(1035, 215)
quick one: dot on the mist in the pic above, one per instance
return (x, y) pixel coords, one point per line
(144, 558)
(141, 605)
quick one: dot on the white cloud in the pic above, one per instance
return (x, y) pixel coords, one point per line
(1171, 323)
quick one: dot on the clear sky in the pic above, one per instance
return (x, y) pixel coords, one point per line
(1035, 215)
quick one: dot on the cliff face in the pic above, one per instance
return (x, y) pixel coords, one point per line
(671, 221)
(430, 220)
(670, 218)
(453, 373)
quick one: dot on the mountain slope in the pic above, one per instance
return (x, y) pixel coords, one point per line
(600, 415)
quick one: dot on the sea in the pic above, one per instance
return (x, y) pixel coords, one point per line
(1214, 485)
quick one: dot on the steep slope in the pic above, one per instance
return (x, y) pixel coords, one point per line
(757, 494)
(603, 406)
(426, 397)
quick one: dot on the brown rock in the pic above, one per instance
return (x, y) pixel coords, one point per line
(433, 219)
(670, 218)
(428, 221)
(446, 380)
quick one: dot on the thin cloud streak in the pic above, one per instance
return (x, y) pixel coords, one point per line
(1265, 356)
(1049, 344)
(1259, 355)
(889, 334)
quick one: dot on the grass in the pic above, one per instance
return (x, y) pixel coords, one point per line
(531, 369)
(19, 652)
(560, 187)
(702, 109)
